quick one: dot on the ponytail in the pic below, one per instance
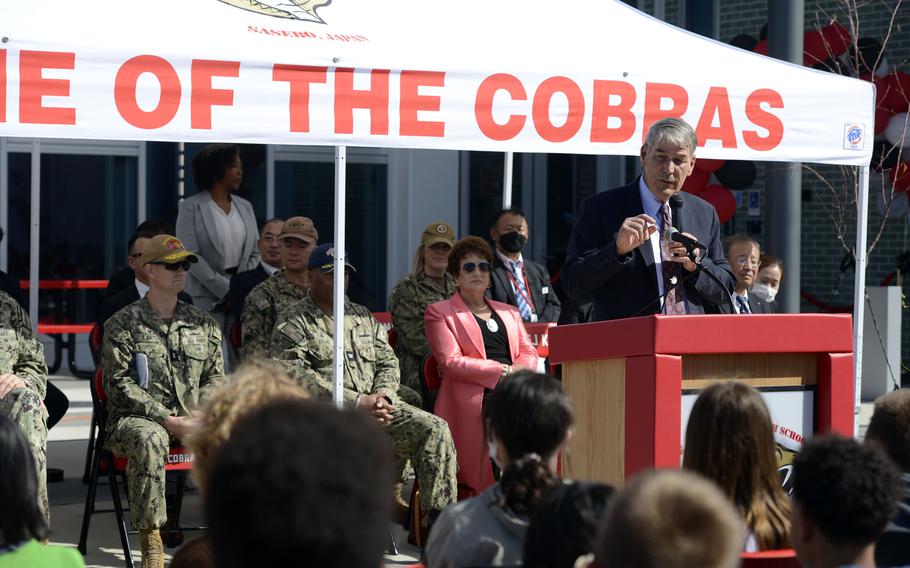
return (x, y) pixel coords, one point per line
(525, 483)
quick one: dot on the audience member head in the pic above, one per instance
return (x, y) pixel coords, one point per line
(770, 274)
(145, 231)
(510, 232)
(321, 268)
(527, 420)
(252, 385)
(889, 427)
(742, 254)
(21, 519)
(667, 157)
(301, 479)
(470, 262)
(269, 244)
(298, 239)
(218, 165)
(152, 227)
(432, 255)
(730, 440)
(844, 494)
(166, 262)
(670, 519)
(564, 526)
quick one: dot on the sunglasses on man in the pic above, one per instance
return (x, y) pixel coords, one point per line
(472, 266)
(174, 266)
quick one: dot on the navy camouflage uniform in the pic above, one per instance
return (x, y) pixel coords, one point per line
(185, 366)
(303, 342)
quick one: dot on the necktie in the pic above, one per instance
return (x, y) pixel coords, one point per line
(675, 301)
(521, 292)
(743, 306)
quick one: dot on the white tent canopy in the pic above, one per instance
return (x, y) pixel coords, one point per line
(580, 76)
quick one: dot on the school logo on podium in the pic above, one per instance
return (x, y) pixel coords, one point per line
(302, 10)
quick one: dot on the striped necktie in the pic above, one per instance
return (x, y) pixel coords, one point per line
(743, 305)
(675, 301)
(521, 291)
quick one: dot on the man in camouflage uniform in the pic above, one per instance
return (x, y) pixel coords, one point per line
(408, 302)
(298, 239)
(303, 342)
(23, 382)
(162, 359)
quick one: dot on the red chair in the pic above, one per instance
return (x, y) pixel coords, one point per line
(236, 335)
(177, 466)
(785, 558)
(385, 318)
(393, 337)
(430, 381)
(94, 343)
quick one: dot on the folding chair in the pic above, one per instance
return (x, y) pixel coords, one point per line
(236, 336)
(430, 381)
(94, 343)
(178, 464)
(393, 337)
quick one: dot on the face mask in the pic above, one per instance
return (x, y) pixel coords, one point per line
(763, 291)
(513, 242)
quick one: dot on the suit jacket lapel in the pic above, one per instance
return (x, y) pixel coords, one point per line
(468, 324)
(211, 229)
(249, 220)
(501, 273)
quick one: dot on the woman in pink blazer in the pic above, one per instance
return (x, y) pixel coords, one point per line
(476, 342)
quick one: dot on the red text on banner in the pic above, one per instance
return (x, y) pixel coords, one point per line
(604, 110)
(299, 78)
(204, 96)
(375, 99)
(483, 106)
(33, 87)
(125, 85)
(413, 102)
(540, 110)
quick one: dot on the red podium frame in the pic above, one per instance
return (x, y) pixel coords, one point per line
(626, 377)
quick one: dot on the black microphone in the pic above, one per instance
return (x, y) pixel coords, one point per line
(687, 241)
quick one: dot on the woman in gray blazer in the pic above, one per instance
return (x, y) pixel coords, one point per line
(218, 226)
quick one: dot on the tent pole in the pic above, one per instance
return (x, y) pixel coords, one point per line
(34, 239)
(338, 286)
(507, 181)
(859, 292)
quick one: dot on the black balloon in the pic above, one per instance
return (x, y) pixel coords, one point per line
(744, 41)
(870, 51)
(736, 174)
(884, 155)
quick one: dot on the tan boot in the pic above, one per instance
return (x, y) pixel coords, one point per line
(152, 548)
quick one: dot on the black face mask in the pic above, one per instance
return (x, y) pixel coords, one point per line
(513, 242)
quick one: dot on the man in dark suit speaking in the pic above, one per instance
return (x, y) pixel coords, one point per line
(620, 251)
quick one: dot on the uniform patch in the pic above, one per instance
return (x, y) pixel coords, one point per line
(261, 302)
(292, 334)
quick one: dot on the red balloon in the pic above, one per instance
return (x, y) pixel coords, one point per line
(723, 201)
(892, 92)
(814, 49)
(697, 181)
(900, 176)
(707, 165)
(761, 47)
(837, 37)
(882, 117)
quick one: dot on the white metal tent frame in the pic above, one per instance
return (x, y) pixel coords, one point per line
(817, 135)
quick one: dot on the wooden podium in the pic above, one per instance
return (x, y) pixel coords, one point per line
(626, 379)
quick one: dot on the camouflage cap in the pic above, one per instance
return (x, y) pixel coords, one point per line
(167, 249)
(323, 257)
(439, 232)
(300, 228)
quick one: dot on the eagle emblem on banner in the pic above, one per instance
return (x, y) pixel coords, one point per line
(303, 10)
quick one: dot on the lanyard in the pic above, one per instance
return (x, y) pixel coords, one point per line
(527, 293)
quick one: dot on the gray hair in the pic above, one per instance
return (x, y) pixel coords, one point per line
(673, 131)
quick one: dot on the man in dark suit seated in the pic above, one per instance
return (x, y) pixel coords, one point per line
(743, 255)
(137, 288)
(516, 280)
(270, 253)
(125, 278)
(620, 252)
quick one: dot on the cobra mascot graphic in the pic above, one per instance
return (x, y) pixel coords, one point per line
(303, 10)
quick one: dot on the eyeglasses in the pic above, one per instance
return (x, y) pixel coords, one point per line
(175, 266)
(472, 266)
(744, 260)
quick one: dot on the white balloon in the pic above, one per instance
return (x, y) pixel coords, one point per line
(898, 130)
(883, 68)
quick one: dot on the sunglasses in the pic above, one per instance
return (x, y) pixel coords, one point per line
(175, 266)
(472, 266)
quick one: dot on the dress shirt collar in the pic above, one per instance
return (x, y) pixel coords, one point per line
(269, 269)
(141, 288)
(648, 202)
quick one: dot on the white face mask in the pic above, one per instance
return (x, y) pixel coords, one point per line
(763, 291)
